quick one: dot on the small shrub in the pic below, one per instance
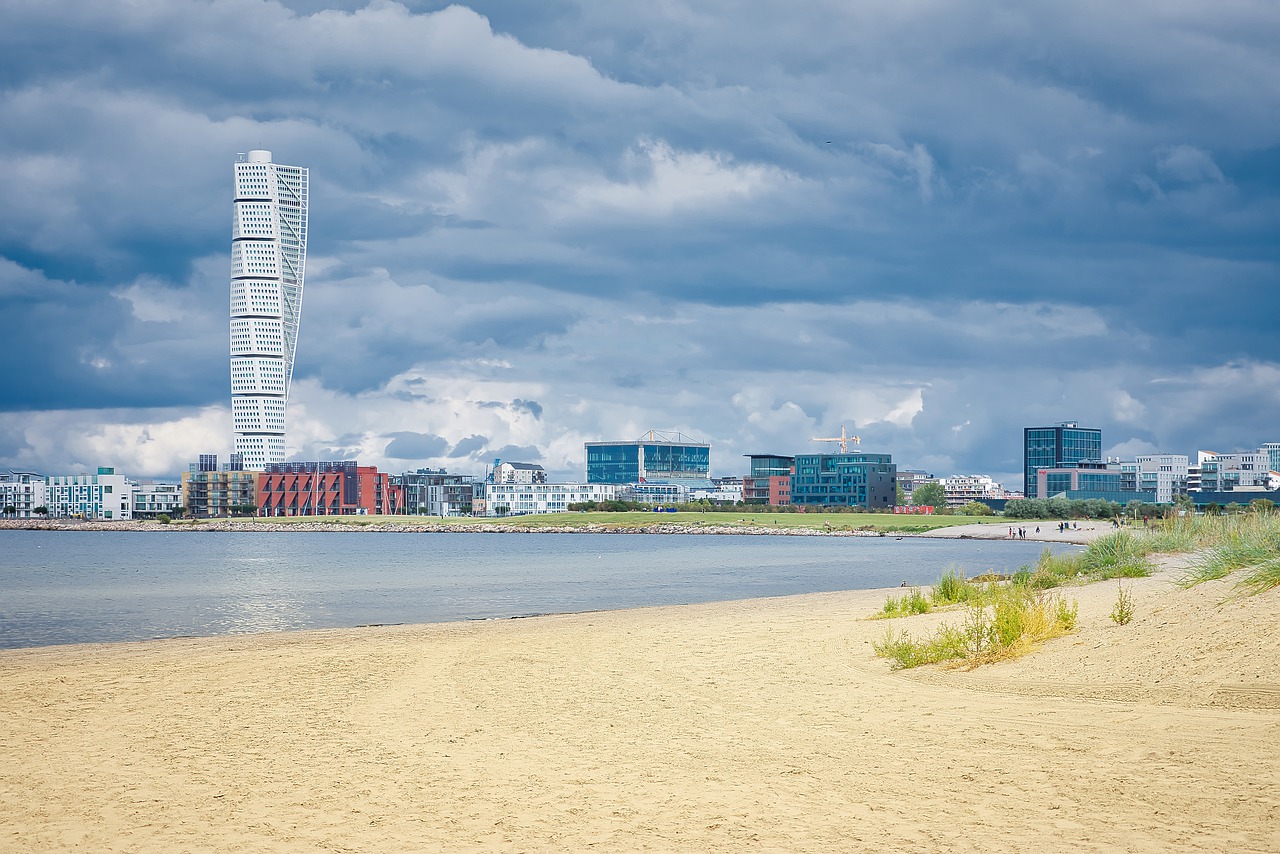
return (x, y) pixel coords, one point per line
(163, 519)
(913, 602)
(954, 588)
(946, 644)
(1122, 612)
(1007, 622)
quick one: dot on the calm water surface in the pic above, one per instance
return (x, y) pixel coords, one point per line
(80, 586)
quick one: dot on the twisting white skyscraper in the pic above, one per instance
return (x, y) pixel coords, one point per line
(268, 254)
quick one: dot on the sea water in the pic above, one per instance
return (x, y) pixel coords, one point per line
(61, 587)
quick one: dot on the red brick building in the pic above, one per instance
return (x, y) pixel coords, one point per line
(325, 489)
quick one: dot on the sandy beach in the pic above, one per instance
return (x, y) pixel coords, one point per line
(760, 725)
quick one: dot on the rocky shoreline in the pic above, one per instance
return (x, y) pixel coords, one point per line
(232, 526)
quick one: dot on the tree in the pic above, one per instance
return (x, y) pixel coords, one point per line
(41, 511)
(929, 494)
(900, 497)
(10, 510)
(976, 508)
(1262, 505)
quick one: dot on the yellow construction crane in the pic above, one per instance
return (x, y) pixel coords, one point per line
(843, 439)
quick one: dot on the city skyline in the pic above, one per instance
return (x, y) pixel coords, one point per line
(935, 225)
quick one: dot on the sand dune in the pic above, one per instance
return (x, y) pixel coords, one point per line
(748, 725)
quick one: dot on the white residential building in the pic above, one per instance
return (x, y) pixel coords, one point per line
(962, 489)
(725, 490)
(268, 260)
(1164, 474)
(518, 499)
(1228, 472)
(656, 493)
(518, 473)
(105, 496)
(24, 491)
(153, 499)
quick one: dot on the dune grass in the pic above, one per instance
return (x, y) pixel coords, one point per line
(1006, 622)
(1248, 543)
(1005, 619)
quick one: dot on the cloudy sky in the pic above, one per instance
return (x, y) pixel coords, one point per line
(534, 225)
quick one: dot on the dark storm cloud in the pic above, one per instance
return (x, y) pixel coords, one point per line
(415, 446)
(755, 219)
(471, 446)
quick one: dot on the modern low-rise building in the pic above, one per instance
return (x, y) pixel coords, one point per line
(505, 472)
(670, 458)
(962, 489)
(655, 493)
(1272, 450)
(105, 496)
(519, 499)
(213, 494)
(325, 489)
(769, 480)
(853, 479)
(428, 492)
(22, 493)
(151, 499)
(1091, 479)
(1162, 474)
(723, 490)
(909, 479)
(1226, 472)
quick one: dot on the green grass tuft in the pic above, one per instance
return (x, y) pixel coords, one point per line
(1008, 621)
(953, 588)
(913, 602)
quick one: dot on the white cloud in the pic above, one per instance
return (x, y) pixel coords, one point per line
(661, 181)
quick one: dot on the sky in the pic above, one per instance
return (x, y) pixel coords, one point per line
(934, 222)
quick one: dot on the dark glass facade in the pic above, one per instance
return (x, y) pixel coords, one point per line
(632, 462)
(1056, 447)
(846, 480)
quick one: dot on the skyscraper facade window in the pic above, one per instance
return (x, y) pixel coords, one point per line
(1059, 446)
(268, 260)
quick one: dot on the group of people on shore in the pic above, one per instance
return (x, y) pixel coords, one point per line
(1020, 533)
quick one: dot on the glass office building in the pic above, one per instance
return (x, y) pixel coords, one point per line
(769, 481)
(1060, 446)
(651, 459)
(846, 480)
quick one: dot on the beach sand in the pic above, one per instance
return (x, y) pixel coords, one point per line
(761, 725)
